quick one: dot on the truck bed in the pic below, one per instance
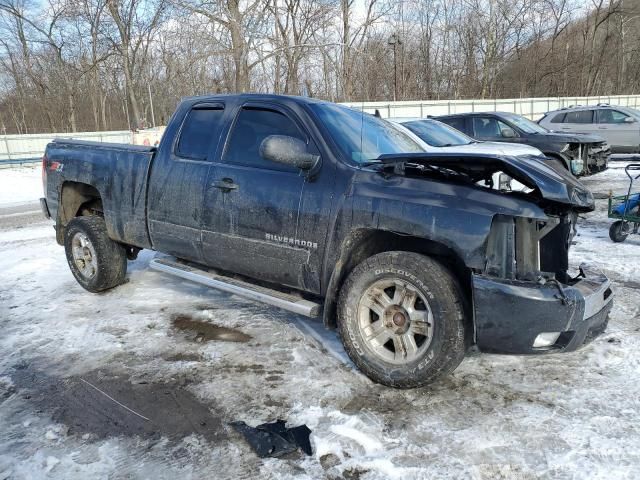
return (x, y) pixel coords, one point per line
(118, 171)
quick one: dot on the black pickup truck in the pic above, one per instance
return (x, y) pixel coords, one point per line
(323, 210)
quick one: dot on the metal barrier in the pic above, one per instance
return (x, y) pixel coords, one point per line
(20, 149)
(16, 163)
(532, 108)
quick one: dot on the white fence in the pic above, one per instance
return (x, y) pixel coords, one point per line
(25, 148)
(532, 108)
(30, 147)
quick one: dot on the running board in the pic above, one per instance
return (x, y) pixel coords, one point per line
(241, 288)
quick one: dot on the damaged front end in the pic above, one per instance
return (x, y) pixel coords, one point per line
(524, 299)
(587, 158)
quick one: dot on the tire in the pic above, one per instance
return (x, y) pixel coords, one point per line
(618, 231)
(429, 302)
(97, 262)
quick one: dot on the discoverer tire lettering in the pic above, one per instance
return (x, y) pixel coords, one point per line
(418, 277)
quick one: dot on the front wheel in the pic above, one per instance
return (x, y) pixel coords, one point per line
(401, 319)
(618, 232)
(97, 262)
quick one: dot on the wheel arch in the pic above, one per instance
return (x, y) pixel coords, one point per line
(364, 243)
(76, 199)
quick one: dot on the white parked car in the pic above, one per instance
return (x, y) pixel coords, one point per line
(443, 138)
(620, 126)
(435, 136)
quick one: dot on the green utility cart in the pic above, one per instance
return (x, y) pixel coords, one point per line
(625, 208)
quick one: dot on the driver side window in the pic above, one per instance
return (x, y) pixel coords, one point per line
(488, 127)
(608, 115)
(252, 126)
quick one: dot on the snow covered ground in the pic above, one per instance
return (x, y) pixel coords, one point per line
(20, 185)
(569, 416)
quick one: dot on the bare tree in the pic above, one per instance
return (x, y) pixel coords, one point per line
(136, 25)
(93, 64)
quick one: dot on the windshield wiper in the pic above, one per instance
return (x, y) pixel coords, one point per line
(385, 161)
(369, 163)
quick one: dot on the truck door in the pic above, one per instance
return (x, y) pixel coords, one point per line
(177, 182)
(264, 219)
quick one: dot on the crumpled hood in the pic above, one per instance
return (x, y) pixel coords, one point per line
(561, 137)
(493, 148)
(552, 185)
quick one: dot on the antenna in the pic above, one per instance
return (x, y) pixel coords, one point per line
(362, 107)
(361, 129)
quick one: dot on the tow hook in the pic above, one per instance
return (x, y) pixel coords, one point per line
(563, 296)
(580, 274)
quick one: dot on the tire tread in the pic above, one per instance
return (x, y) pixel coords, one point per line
(112, 256)
(453, 348)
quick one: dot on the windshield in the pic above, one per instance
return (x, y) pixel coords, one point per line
(363, 137)
(438, 134)
(524, 124)
(630, 111)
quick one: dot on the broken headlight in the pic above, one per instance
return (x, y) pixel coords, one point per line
(576, 153)
(582, 197)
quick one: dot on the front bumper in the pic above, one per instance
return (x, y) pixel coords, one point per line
(510, 314)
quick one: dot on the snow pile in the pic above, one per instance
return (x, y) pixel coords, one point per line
(20, 185)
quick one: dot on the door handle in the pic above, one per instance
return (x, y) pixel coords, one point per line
(226, 185)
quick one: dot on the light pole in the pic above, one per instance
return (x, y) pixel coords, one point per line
(394, 41)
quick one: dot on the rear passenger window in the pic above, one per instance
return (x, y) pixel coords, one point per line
(559, 118)
(581, 116)
(457, 123)
(200, 129)
(252, 126)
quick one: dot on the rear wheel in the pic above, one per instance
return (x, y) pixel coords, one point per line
(97, 262)
(401, 319)
(619, 231)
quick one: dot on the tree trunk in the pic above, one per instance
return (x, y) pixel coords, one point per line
(347, 85)
(134, 114)
(72, 113)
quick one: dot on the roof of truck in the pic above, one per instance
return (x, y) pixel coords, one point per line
(254, 96)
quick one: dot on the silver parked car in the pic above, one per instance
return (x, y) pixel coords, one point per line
(620, 126)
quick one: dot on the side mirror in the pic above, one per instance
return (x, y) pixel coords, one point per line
(508, 132)
(288, 151)
(629, 120)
